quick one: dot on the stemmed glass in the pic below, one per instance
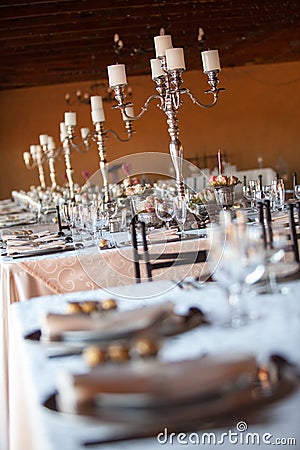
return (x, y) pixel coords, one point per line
(68, 214)
(180, 208)
(236, 259)
(297, 191)
(278, 191)
(275, 255)
(164, 209)
(250, 192)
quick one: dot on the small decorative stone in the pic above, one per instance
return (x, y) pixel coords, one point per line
(94, 355)
(109, 304)
(74, 308)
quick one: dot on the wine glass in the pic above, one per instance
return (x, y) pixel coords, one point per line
(68, 214)
(180, 208)
(275, 257)
(164, 209)
(236, 260)
(278, 190)
(297, 191)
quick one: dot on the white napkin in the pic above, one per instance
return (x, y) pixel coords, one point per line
(163, 234)
(20, 249)
(158, 382)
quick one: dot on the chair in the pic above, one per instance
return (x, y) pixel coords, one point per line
(290, 226)
(154, 261)
(294, 236)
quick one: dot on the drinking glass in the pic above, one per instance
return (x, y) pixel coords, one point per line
(180, 208)
(297, 191)
(164, 209)
(274, 256)
(254, 188)
(236, 260)
(68, 214)
(278, 190)
(248, 194)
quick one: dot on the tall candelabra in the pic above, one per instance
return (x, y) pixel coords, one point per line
(49, 149)
(33, 159)
(100, 135)
(167, 69)
(67, 137)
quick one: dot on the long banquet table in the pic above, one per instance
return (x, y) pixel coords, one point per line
(274, 328)
(59, 273)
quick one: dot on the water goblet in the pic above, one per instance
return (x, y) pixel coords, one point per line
(275, 256)
(236, 260)
(278, 191)
(164, 209)
(297, 191)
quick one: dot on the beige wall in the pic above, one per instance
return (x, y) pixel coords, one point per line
(257, 116)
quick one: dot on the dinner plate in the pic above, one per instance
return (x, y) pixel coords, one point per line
(119, 325)
(145, 418)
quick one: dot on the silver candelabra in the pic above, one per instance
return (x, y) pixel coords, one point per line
(167, 69)
(67, 137)
(100, 135)
(34, 159)
(50, 152)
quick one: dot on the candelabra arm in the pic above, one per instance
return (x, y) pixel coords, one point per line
(197, 102)
(214, 90)
(120, 97)
(129, 129)
(78, 146)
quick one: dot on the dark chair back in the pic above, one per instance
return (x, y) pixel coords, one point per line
(154, 261)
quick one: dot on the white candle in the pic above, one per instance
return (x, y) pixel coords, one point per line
(116, 75)
(63, 136)
(98, 115)
(43, 139)
(32, 149)
(84, 132)
(96, 102)
(51, 143)
(26, 156)
(38, 151)
(62, 127)
(162, 43)
(210, 60)
(156, 68)
(175, 58)
(70, 118)
(129, 111)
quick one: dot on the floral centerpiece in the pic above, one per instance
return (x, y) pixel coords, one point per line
(216, 181)
(199, 201)
(203, 197)
(223, 186)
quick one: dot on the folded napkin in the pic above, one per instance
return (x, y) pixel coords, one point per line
(112, 324)
(157, 384)
(163, 234)
(23, 249)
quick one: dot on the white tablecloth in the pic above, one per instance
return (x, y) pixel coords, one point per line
(73, 271)
(276, 329)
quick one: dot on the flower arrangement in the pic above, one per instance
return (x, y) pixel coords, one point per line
(223, 180)
(146, 205)
(203, 197)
